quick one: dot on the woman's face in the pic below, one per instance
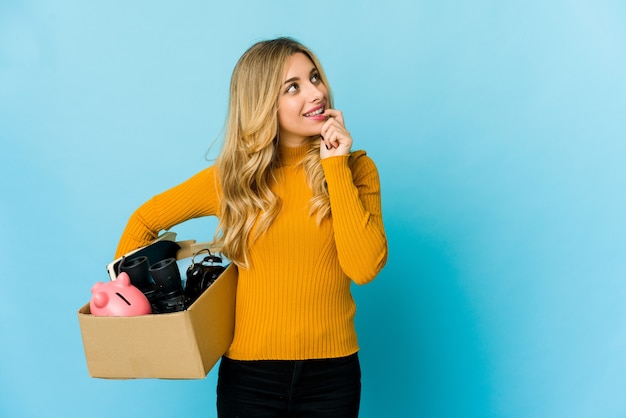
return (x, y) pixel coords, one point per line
(301, 102)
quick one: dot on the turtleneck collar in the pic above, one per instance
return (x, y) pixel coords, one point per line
(292, 155)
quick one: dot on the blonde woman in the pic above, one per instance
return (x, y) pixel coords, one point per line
(300, 215)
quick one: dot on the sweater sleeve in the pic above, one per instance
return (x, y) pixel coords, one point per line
(194, 198)
(354, 189)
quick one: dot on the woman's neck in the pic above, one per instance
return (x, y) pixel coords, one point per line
(290, 155)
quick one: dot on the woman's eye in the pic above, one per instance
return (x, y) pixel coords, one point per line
(315, 78)
(292, 88)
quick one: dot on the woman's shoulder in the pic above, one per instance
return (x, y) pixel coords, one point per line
(362, 165)
(360, 159)
(354, 155)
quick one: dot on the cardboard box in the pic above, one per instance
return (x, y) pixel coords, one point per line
(179, 345)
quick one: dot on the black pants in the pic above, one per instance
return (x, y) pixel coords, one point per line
(277, 388)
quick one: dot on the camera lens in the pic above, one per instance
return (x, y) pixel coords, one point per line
(167, 277)
(137, 270)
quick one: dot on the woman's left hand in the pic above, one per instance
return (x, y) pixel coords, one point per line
(336, 139)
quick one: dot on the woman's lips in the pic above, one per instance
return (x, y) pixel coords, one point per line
(316, 113)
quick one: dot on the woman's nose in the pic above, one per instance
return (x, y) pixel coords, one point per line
(315, 93)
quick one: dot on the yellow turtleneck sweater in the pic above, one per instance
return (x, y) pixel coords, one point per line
(294, 300)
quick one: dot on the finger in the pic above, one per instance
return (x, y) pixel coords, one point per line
(329, 133)
(330, 124)
(336, 136)
(334, 114)
(325, 136)
(326, 144)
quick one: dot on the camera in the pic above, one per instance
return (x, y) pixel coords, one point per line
(201, 275)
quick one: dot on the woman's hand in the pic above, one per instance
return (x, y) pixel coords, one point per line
(336, 139)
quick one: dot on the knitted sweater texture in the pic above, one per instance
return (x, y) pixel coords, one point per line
(294, 300)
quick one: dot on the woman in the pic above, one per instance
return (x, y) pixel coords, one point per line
(300, 215)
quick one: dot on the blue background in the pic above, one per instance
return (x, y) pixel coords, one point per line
(499, 132)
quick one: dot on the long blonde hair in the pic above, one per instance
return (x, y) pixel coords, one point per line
(249, 156)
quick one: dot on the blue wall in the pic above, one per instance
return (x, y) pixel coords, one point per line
(499, 132)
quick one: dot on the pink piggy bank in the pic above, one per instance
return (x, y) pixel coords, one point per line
(118, 298)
